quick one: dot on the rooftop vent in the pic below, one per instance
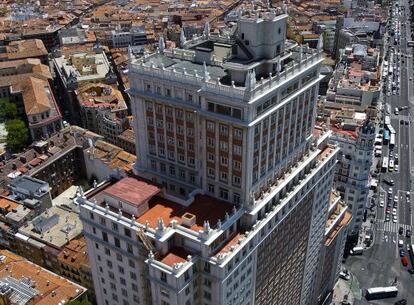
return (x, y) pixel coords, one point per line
(188, 220)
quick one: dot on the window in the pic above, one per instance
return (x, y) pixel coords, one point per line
(236, 198)
(224, 129)
(105, 236)
(210, 172)
(224, 146)
(102, 221)
(237, 165)
(224, 194)
(131, 263)
(117, 242)
(130, 248)
(109, 264)
(224, 161)
(223, 176)
(238, 133)
(163, 277)
(91, 216)
(115, 226)
(119, 257)
(236, 180)
(153, 164)
(132, 275)
(237, 150)
(172, 170)
(210, 142)
(211, 188)
(210, 157)
(210, 126)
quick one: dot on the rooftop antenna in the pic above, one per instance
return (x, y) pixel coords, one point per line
(182, 38)
(207, 29)
(161, 44)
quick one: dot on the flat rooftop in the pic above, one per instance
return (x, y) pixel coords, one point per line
(175, 256)
(56, 226)
(132, 190)
(30, 184)
(204, 208)
(135, 189)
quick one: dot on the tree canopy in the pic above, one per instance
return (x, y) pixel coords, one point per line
(17, 135)
(8, 111)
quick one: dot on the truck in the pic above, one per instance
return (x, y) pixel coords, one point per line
(356, 251)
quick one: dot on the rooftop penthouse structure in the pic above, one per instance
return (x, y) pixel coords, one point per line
(229, 201)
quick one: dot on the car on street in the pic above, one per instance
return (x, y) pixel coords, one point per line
(408, 233)
(404, 261)
(390, 190)
(395, 198)
(396, 167)
(400, 243)
(401, 230)
(344, 275)
(394, 211)
(381, 204)
(387, 217)
(411, 271)
(401, 302)
(389, 181)
(402, 253)
(394, 218)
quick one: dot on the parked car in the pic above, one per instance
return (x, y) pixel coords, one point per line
(408, 233)
(404, 261)
(402, 253)
(401, 230)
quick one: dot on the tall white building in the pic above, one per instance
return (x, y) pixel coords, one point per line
(231, 198)
(353, 170)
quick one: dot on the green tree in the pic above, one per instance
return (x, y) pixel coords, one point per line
(17, 135)
(77, 302)
(8, 111)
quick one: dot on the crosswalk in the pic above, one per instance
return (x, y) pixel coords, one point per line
(389, 226)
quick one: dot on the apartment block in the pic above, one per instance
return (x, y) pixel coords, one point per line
(230, 195)
(25, 283)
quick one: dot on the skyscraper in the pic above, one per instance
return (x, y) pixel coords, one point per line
(230, 201)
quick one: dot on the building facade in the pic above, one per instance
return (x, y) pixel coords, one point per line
(230, 201)
(352, 173)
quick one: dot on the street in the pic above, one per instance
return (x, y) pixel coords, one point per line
(380, 265)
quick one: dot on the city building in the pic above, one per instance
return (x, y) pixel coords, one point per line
(27, 84)
(60, 160)
(76, 36)
(104, 161)
(103, 110)
(32, 191)
(25, 283)
(126, 140)
(22, 49)
(230, 198)
(333, 248)
(43, 238)
(356, 79)
(74, 264)
(75, 68)
(122, 39)
(352, 176)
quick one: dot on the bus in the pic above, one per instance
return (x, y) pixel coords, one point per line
(386, 136)
(381, 293)
(392, 140)
(384, 164)
(410, 43)
(411, 254)
(387, 120)
(391, 166)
